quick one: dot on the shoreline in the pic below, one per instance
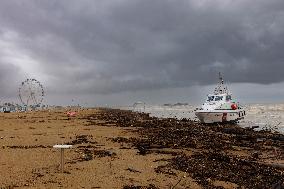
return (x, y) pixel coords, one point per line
(219, 142)
(123, 149)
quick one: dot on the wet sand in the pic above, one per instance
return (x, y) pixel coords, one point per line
(120, 149)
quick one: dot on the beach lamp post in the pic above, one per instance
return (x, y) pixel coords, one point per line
(62, 147)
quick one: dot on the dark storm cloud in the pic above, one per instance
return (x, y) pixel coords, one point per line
(128, 45)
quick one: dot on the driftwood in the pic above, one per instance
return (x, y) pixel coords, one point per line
(276, 165)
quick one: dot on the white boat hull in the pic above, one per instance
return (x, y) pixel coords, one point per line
(220, 116)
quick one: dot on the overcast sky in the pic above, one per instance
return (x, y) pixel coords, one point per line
(117, 52)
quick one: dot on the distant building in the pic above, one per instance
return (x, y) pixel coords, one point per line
(10, 107)
(7, 107)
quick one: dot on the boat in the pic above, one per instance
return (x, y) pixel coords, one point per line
(220, 106)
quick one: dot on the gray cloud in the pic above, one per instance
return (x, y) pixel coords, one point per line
(105, 47)
(7, 83)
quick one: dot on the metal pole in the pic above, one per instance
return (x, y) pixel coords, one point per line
(62, 160)
(62, 147)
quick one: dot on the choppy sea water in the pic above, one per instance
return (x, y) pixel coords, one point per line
(266, 116)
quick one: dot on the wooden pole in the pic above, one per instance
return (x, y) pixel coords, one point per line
(62, 160)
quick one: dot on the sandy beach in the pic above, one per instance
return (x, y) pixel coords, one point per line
(121, 149)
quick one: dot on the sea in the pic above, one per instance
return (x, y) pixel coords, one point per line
(266, 116)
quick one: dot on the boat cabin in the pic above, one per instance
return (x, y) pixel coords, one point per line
(216, 98)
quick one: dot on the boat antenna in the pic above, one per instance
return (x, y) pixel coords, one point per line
(221, 78)
(221, 88)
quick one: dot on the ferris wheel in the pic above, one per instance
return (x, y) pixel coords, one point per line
(31, 92)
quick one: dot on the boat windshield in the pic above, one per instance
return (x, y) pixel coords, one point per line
(229, 97)
(218, 98)
(210, 98)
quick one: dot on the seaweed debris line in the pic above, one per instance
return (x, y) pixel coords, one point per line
(210, 155)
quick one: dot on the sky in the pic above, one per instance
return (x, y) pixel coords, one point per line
(117, 52)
